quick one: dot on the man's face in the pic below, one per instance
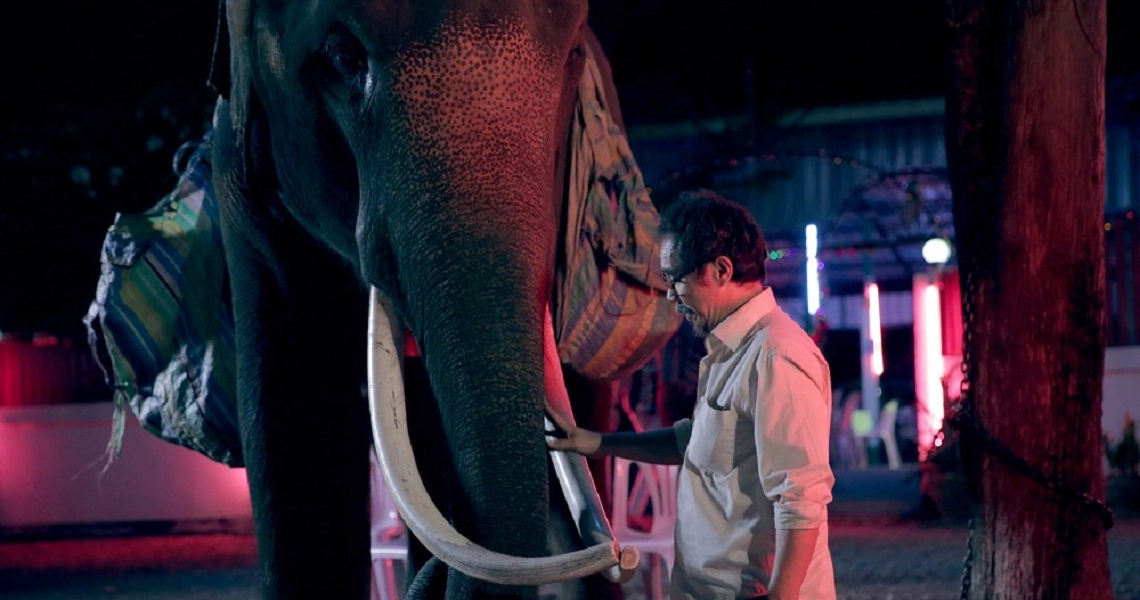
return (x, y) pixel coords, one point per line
(688, 290)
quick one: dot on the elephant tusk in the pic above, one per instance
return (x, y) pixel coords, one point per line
(571, 470)
(394, 450)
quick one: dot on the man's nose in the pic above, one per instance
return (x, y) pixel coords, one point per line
(671, 293)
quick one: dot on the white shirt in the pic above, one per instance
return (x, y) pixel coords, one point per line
(756, 462)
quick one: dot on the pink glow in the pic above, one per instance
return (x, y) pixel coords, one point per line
(928, 353)
(875, 328)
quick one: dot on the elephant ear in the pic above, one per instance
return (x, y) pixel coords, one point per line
(219, 78)
(239, 22)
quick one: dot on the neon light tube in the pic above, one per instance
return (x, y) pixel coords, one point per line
(812, 245)
(932, 356)
(875, 328)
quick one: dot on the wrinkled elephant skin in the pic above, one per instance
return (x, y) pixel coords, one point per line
(412, 147)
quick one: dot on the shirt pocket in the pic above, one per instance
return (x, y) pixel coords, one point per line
(712, 445)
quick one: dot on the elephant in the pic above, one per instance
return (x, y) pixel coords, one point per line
(414, 151)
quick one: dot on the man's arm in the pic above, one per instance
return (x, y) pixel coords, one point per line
(792, 447)
(794, 550)
(660, 446)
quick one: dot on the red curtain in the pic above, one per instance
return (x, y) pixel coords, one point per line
(950, 297)
(36, 373)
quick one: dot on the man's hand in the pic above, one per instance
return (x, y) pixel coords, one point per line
(582, 441)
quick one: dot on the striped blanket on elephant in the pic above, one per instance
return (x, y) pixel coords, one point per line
(610, 312)
(162, 325)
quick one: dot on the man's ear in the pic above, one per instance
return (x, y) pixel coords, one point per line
(722, 269)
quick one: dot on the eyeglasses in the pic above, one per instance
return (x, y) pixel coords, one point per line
(672, 280)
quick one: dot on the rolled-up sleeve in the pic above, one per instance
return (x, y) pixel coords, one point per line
(683, 432)
(792, 417)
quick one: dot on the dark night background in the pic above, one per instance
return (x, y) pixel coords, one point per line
(99, 95)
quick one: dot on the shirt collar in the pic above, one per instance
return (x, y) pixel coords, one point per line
(736, 326)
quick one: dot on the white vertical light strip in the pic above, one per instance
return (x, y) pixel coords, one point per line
(812, 245)
(932, 357)
(918, 312)
(875, 328)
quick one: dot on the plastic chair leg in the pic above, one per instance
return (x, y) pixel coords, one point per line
(384, 580)
(894, 460)
(651, 577)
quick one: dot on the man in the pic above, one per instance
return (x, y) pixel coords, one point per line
(755, 481)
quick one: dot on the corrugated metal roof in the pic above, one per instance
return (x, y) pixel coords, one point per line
(835, 165)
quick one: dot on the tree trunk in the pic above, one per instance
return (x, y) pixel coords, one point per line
(1025, 139)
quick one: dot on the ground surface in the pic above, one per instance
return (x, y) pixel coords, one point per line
(873, 560)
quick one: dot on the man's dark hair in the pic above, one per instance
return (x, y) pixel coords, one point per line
(705, 225)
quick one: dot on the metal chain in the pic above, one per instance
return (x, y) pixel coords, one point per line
(966, 422)
(968, 563)
(1022, 466)
(966, 400)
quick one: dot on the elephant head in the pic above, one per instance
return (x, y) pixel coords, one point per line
(410, 147)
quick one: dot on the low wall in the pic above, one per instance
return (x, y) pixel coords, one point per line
(51, 473)
(1121, 389)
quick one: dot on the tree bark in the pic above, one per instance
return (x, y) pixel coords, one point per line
(1025, 141)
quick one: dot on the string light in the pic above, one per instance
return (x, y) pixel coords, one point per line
(733, 163)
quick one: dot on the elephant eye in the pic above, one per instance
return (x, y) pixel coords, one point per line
(346, 56)
(577, 52)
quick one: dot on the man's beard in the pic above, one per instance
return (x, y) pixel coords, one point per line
(697, 322)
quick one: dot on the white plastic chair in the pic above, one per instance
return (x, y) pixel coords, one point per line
(654, 487)
(389, 537)
(887, 418)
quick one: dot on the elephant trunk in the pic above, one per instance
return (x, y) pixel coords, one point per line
(470, 124)
(391, 430)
